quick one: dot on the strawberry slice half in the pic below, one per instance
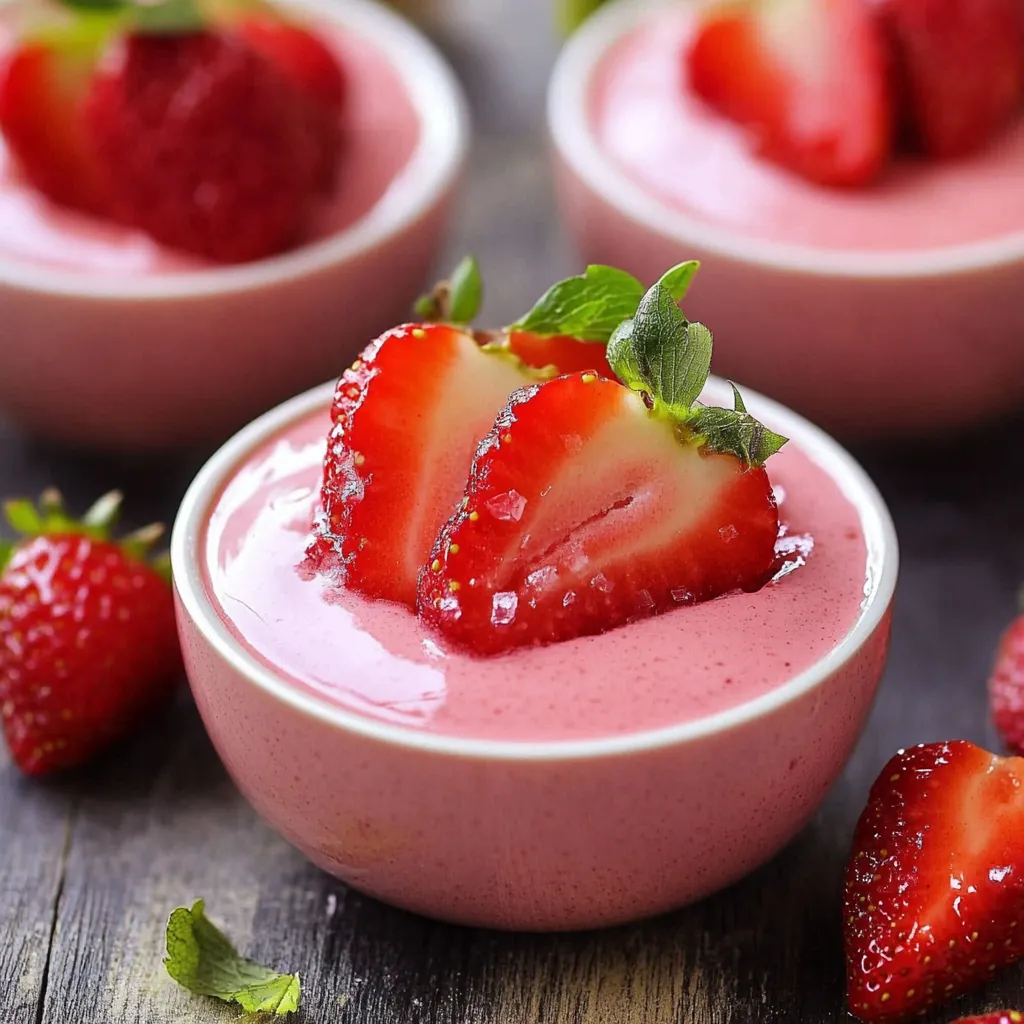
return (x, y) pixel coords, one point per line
(43, 84)
(807, 77)
(934, 900)
(407, 416)
(962, 62)
(593, 503)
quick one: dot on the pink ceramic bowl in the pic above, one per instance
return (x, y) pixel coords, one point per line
(865, 344)
(531, 835)
(174, 357)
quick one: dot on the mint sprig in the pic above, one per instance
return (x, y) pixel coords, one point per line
(457, 299)
(202, 959)
(591, 306)
(666, 357)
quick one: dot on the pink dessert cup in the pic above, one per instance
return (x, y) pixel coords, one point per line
(907, 341)
(552, 835)
(167, 358)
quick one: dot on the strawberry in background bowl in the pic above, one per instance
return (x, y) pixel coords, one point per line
(202, 204)
(850, 168)
(524, 648)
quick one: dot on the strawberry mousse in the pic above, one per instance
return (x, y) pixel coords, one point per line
(669, 108)
(644, 539)
(358, 126)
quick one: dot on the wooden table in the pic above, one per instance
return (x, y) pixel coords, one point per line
(91, 865)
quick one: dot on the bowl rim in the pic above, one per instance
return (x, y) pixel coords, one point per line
(575, 144)
(197, 604)
(436, 162)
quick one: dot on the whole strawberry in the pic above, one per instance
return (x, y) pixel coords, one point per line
(88, 645)
(1006, 687)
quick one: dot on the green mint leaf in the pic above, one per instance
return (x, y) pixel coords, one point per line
(622, 357)
(673, 355)
(677, 280)
(465, 292)
(735, 432)
(456, 300)
(588, 307)
(202, 959)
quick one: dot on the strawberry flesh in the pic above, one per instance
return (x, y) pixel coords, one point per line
(934, 900)
(567, 354)
(88, 647)
(1006, 688)
(407, 418)
(808, 78)
(962, 66)
(994, 1017)
(585, 511)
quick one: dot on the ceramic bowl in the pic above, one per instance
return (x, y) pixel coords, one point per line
(530, 835)
(863, 343)
(176, 357)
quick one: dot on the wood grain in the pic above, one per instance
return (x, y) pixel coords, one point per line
(90, 868)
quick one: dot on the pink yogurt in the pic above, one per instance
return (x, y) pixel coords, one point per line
(669, 143)
(382, 129)
(378, 660)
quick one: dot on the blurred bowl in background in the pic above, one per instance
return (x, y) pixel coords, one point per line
(898, 340)
(162, 358)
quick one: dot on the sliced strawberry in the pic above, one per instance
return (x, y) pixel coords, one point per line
(963, 66)
(807, 77)
(42, 88)
(407, 417)
(935, 883)
(1006, 687)
(584, 511)
(994, 1017)
(566, 354)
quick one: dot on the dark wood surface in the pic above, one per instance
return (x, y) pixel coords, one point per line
(91, 865)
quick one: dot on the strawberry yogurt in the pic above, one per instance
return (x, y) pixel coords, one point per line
(690, 157)
(379, 660)
(382, 131)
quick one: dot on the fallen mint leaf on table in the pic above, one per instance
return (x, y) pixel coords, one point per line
(201, 958)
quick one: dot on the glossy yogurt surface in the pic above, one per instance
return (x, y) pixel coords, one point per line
(376, 659)
(382, 130)
(666, 140)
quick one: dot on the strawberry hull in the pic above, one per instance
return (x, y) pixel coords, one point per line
(576, 785)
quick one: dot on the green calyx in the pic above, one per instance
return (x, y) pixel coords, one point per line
(161, 17)
(572, 13)
(455, 300)
(661, 354)
(50, 518)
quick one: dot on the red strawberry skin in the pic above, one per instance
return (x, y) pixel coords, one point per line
(41, 96)
(573, 524)
(1006, 688)
(934, 900)
(308, 63)
(209, 145)
(407, 418)
(994, 1017)
(962, 62)
(88, 648)
(569, 355)
(808, 79)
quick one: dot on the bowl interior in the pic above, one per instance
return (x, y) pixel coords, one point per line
(577, 146)
(188, 555)
(418, 186)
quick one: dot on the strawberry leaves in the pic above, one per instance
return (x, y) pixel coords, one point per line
(158, 18)
(668, 358)
(456, 300)
(591, 307)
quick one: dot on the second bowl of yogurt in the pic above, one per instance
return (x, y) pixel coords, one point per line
(574, 785)
(888, 308)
